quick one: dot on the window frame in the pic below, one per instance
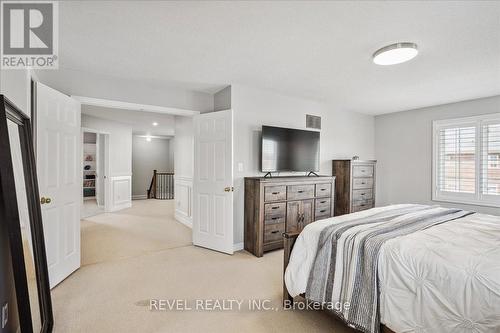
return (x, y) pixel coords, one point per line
(476, 198)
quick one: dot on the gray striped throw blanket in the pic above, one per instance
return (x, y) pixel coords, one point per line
(345, 268)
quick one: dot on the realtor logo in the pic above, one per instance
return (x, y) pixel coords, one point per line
(29, 35)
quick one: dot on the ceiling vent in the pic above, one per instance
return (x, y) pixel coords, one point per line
(313, 122)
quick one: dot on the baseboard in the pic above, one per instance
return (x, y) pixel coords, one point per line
(183, 219)
(139, 197)
(237, 247)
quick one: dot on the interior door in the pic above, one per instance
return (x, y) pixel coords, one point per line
(59, 176)
(213, 181)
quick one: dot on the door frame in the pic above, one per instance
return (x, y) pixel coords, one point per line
(107, 207)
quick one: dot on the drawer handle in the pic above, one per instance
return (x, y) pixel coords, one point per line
(276, 193)
(275, 231)
(300, 191)
(322, 211)
(362, 193)
(275, 207)
(363, 183)
(323, 189)
(362, 205)
(274, 218)
(322, 201)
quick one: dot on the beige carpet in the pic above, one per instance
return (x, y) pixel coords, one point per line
(142, 253)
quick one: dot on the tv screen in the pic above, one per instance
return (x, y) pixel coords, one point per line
(287, 149)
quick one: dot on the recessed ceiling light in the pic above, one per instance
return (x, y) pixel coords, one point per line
(155, 124)
(148, 138)
(395, 54)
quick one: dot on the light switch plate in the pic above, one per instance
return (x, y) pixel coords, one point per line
(5, 315)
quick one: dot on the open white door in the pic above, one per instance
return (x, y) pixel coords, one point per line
(213, 181)
(59, 178)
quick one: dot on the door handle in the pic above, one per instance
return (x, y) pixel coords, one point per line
(44, 200)
(229, 189)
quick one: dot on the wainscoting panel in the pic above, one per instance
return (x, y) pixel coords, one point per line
(183, 187)
(120, 192)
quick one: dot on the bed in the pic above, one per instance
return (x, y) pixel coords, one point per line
(443, 277)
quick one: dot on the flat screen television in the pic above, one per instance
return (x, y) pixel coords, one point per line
(288, 149)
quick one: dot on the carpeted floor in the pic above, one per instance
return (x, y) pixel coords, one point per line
(142, 253)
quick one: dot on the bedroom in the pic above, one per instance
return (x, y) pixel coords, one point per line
(272, 64)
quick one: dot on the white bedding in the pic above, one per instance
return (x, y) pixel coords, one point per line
(442, 279)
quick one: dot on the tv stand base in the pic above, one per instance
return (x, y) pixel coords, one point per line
(312, 173)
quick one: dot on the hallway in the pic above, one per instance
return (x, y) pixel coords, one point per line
(142, 253)
(148, 226)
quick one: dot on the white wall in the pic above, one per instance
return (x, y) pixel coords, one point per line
(15, 85)
(146, 157)
(403, 147)
(107, 87)
(183, 148)
(119, 188)
(120, 143)
(343, 134)
(222, 99)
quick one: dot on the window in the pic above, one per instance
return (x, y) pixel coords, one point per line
(466, 163)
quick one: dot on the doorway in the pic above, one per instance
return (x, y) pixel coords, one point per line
(94, 172)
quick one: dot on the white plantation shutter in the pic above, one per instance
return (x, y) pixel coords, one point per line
(457, 159)
(490, 162)
(466, 162)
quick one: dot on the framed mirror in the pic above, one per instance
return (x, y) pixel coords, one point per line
(21, 216)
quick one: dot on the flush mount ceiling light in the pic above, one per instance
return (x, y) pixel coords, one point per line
(148, 139)
(155, 124)
(395, 54)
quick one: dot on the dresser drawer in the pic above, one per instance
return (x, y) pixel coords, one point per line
(322, 203)
(297, 192)
(360, 208)
(275, 219)
(274, 209)
(323, 190)
(359, 183)
(362, 171)
(274, 193)
(273, 232)
(362, 205)
(363, 194)
(322, 212)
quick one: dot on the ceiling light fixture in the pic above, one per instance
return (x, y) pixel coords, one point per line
(148, 139)
(395, 53)
(155, 124)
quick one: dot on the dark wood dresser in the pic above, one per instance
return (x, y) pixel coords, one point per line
(355, 185)
(276, 205)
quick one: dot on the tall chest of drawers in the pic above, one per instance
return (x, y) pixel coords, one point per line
(276, 205)
(355, 185)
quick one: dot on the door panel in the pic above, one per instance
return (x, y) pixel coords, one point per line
(292, 216)
(213, 181)
(58, 166)
(307, 210)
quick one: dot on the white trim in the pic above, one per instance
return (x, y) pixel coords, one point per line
(477, 198)
(238, 247)
(184, 219)
(139, 196)
(134, 106)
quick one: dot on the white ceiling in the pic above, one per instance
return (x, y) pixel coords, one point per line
(318, 50)
(140, 121)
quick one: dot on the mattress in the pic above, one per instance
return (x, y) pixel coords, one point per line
(442, 279)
